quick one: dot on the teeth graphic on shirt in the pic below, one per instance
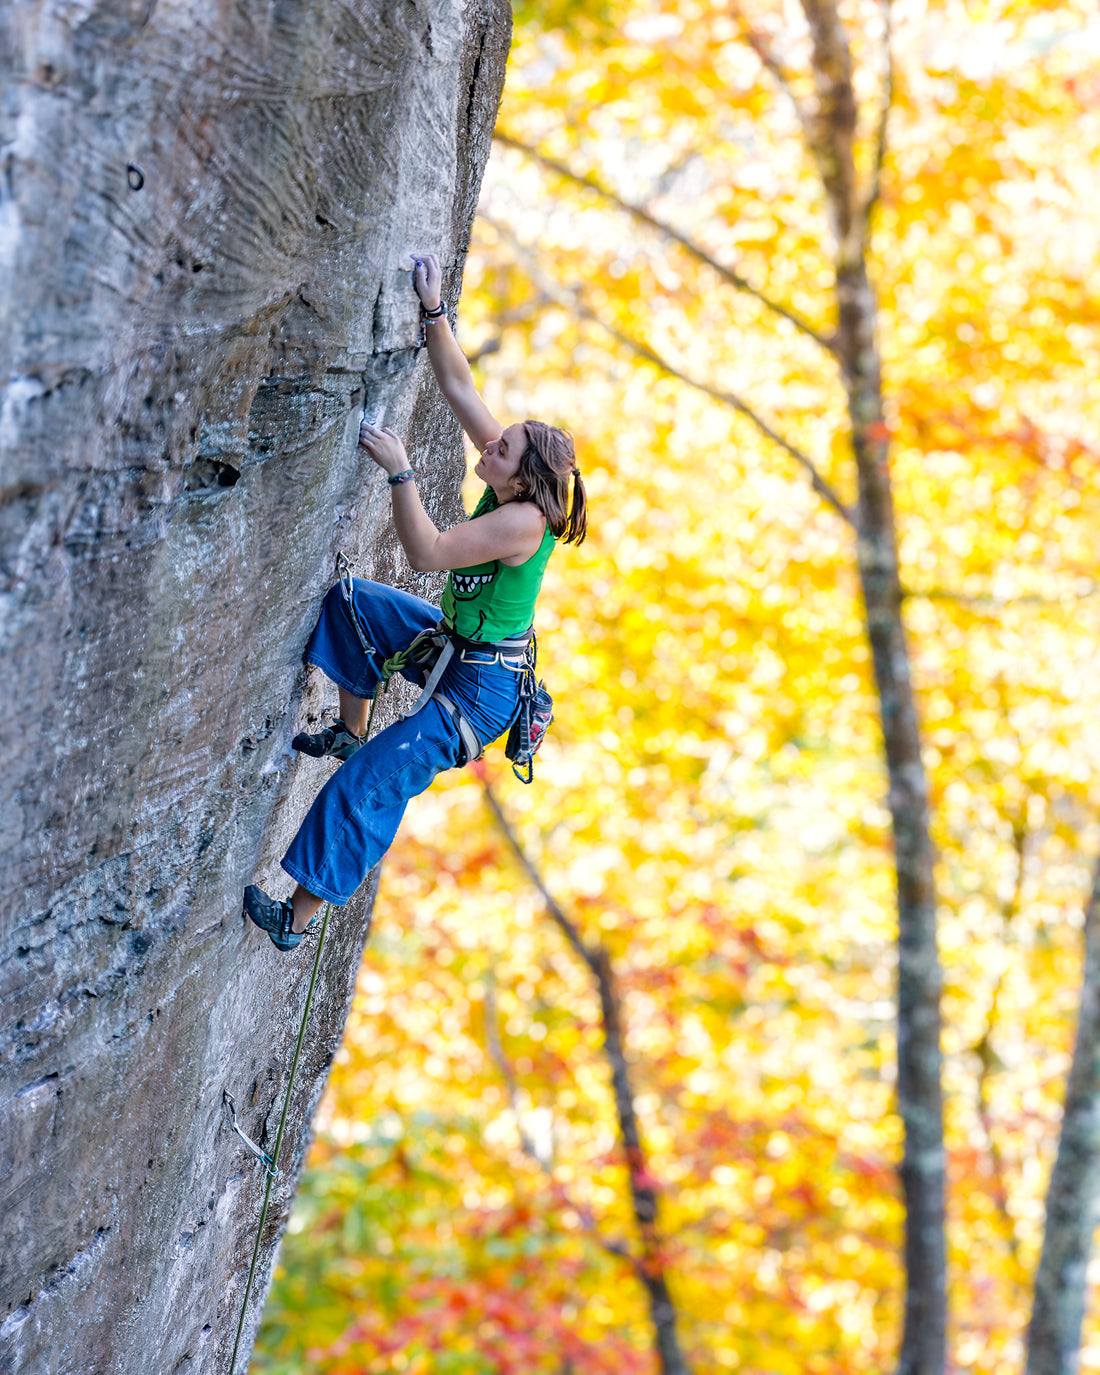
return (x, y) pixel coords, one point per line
(467, 584)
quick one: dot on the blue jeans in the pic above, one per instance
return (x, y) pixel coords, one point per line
(355, 816)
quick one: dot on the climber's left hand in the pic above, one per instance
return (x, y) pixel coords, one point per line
(384, 447)
(428, 280)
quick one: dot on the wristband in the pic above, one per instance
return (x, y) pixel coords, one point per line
(438, 313)
(398, 478)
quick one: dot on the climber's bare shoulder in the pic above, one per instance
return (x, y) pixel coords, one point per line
(510, 534)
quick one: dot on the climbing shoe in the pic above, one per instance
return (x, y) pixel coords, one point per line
(276, 918)
(334, 742)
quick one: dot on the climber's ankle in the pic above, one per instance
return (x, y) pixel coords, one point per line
(354, 712)
(305, 906)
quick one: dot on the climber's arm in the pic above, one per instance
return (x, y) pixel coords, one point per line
(512, 531)
(452, 372)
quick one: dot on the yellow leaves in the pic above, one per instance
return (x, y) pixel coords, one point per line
(711, 801)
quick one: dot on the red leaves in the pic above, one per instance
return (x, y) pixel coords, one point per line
(502, 1322)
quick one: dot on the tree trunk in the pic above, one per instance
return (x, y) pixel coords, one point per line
(1073, 1198)
(643, 1195)
(919, 977)
(831, 133)
(204, 208)
(649, 1266)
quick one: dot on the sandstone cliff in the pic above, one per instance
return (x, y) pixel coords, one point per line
(204, 208)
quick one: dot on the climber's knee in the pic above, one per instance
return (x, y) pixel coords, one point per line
(333, 598)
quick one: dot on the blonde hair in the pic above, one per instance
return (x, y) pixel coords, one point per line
(545, 467)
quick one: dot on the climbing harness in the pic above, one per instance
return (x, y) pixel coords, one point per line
(270, 1162)
(428, 655)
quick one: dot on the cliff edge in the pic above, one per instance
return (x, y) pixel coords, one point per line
(204, 210)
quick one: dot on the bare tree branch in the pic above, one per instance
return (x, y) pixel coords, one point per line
(568, 928)
(829, 125)
(997, 604)
(530, 1150)
(517, 316)
(771, 64)
(875, 191)
(727, 398)
(649, 1268)
(572, 301)
(1073, 1197)
(728, 274)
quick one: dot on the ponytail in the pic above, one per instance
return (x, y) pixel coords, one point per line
(545, 468)
(577, 527)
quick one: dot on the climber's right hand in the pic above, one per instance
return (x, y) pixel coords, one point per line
(428, 279)
(384, 447)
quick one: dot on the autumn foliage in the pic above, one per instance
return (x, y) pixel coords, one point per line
(712, 805)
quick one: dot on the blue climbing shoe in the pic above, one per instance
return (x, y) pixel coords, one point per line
(276, 918)
(334, 742)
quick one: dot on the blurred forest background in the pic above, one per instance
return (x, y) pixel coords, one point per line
(660, 263)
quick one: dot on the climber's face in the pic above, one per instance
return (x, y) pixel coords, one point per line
(499, 461)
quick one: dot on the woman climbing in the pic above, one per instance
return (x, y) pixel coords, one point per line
(496, 560)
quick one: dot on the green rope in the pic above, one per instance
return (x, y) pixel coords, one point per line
(390, 668)
(279, 1139)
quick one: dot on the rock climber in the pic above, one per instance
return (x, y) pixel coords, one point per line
(533, 497)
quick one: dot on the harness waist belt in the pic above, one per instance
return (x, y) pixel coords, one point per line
(433, 649)
(515, 644)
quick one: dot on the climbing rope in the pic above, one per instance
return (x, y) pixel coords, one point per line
(272, 1169)
(390, 668)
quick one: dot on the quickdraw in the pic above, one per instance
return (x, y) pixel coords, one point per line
(261, 1155)
(344, 578)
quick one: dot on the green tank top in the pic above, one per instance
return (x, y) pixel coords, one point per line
(494, 601)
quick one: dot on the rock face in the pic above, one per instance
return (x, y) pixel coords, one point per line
(204, 209)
